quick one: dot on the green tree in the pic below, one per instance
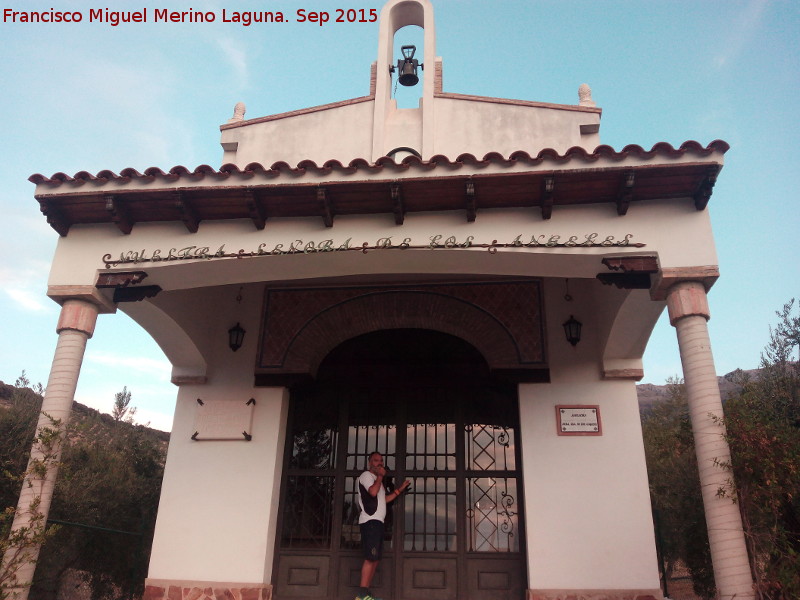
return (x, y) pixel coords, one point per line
(109, 478)
(675, 488)
(762, 424)
(122, 409)
(763, 430)
(18, 429)
(18, 417)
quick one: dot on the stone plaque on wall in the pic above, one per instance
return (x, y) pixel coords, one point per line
(223, 420)
(578, 420)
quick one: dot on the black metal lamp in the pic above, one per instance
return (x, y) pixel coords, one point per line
(572, 329)
(235, 337)
(407, 67)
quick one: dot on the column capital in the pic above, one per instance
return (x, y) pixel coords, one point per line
(78, 315)
(687, 299)
(669, 276)
(86, 293)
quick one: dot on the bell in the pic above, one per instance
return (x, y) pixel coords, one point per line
(407, 67)
(408, 73)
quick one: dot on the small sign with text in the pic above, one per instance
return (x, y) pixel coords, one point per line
(578, 420)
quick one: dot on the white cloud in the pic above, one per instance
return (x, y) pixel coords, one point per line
(26, 285)
(134, 365)
(153, 419)
(27, 299)
(741, 32)
(236, 56)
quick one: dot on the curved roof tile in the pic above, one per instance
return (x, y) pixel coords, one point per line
(437, 161)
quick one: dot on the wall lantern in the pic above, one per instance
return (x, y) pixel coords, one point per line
(407, 67)
(236, 337)
(572, 329)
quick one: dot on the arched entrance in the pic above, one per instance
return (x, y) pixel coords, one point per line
(427, 402)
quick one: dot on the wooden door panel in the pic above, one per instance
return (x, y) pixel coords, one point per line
(430, 578)
(495, 578)
(350, 577)
(301, 577)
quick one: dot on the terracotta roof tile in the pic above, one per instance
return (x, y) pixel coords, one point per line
(439, 161)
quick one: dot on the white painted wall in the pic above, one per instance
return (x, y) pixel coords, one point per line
(587, 503)
(79, 255)
(343, 133)
(461, 126)
(483, 127)
(219, 501)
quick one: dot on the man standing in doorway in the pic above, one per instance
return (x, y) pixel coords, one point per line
(372, 500)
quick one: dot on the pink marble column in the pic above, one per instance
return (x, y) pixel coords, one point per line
(75, 325)
(688, 312)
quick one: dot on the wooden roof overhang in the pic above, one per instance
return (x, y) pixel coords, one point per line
(466, 184)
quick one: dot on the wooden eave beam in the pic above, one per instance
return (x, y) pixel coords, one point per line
(625, 193)
(632, 272)
(548, 190)
(55, 217)
(703, 193)
(188, 214)
(471, 201)
(119, 213)
(119, 279)
(399, 209)
(135, 294)
(626, 281)
(325, 206)
(255, 208)
(632, 263)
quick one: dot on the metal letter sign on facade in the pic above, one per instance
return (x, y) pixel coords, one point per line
(223, 420)
(438, 241)
(579, 420)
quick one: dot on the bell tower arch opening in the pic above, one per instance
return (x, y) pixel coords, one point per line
(405, 117)
(408, 66)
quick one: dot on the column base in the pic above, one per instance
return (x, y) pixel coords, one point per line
(594, 595)
(170, 589)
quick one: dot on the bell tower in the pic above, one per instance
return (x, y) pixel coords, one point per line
(407, 128)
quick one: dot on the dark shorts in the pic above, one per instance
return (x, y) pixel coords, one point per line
(372, 539)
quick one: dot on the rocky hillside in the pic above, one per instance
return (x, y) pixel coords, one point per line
(650, 394)
(79, 411)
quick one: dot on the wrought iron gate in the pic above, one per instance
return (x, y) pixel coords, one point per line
(457, 534)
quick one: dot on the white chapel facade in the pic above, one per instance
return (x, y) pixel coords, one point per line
(407, 281)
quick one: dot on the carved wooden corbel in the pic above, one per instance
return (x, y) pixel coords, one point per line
(188, 214)
(471, 201)
(255, 208)
(548, 188)
(135, 294)
(625, 194)
(120, 279)
(55, 218)
(119, 213)
(397, 203)
(703, 193)
(325, 206)
(634, 271)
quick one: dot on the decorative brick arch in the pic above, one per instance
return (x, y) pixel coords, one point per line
(502, 320)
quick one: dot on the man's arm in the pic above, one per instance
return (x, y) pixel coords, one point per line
(376, 486)
(399, 490)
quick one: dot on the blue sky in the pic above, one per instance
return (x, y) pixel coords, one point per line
(90, 96)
